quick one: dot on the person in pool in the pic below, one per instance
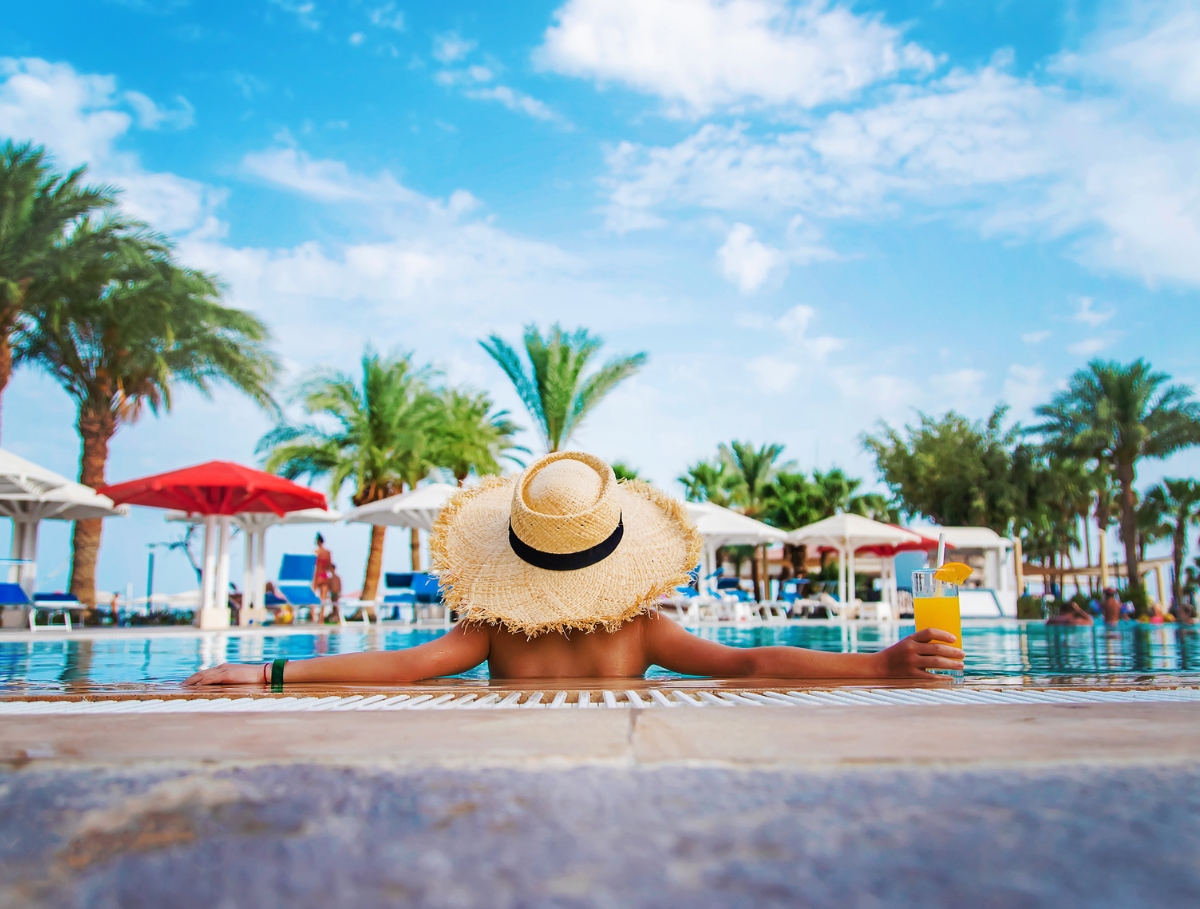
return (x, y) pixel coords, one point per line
(556, 574)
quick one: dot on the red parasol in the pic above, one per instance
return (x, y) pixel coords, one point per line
(217, 488)
(922, 543)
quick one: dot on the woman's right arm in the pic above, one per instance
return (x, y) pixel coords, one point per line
(460, 649)
(673, 647)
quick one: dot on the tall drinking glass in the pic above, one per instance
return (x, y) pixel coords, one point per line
(935, 605)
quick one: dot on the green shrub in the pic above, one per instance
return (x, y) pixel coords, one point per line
(1033, 608)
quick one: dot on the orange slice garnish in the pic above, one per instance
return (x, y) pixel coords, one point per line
(953, 573)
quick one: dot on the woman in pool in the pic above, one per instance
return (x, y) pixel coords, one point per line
(556, 574)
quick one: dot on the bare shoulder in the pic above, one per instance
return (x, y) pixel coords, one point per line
(672, 646)
(656, 628)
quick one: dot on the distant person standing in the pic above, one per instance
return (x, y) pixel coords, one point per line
(323, 576)
(1111, 606)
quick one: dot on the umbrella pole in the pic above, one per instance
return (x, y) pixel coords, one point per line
(209, 571)
(221, 587)
(247, 611)
(18, 546)
(29, 569)
(260, 577)
(853, 579)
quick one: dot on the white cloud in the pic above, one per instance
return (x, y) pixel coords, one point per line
(1088, 346)
(1035, 337)
(516, 101)
(82, 119)
(1161, 53)
(702, 55)
(747, 262)
(151, 116)
(329, 181)
(303, 11)
(1024, 388)
(772, 374)
(450, 47)
(474, 81)
(794, 323)
(961, 386)
(387, 16)
(1002, 153)
(820, 347)
(1089, 316)
(357, 38)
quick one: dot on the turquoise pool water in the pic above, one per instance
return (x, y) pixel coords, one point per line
(1010, 653)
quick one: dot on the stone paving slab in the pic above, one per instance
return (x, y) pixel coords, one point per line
(305, 835)
(762, 737)
(989, 806)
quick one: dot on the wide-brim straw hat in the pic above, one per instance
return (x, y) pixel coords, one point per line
(561, 546)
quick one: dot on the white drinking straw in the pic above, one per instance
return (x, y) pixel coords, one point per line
(941, 550)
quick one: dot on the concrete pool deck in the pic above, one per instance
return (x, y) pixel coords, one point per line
(997, 805)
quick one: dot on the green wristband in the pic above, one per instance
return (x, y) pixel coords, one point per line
(277, 673)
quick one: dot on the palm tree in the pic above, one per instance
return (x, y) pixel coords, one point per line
(554, 389)
(1180, 503)
(1059, 492)
(1116, 415)
(752, 469)
(624, 472)
(1153, 523)
(472, 438)
(837, 493)
(1106, 504)
(792, 503)
(374, 434)
(118, 331)
(38, 210)
(709, 481)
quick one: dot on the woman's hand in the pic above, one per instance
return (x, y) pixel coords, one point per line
(229, 674)
(917, 653)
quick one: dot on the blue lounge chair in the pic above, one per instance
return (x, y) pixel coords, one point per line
(49, 603)
(295, 582)
(413, 589)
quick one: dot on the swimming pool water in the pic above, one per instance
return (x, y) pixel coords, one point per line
(1007, 654)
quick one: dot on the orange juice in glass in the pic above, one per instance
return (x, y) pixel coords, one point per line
(935, 605)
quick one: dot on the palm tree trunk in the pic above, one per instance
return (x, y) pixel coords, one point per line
(754, 575)
(1087, 548)
(1179, 546)
(374, 562)
(6, 357)
(415, 548)
(1102, 518)
(96, 428)
(1129, 535)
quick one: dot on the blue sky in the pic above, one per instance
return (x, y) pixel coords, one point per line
(812, 216)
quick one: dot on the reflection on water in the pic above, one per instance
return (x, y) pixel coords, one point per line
(1010, 653)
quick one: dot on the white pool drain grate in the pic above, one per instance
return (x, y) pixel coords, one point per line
(619, 700)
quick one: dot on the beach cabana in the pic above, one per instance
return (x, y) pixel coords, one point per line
(30, 494)
(723, 527)
(217, 490)
(849, 533)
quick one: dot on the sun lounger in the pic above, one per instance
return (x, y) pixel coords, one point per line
(48, 603)
(295, 583)
(418, 590)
